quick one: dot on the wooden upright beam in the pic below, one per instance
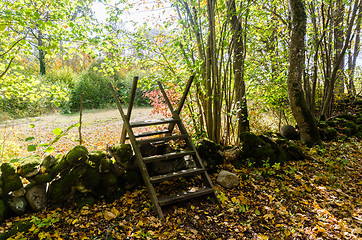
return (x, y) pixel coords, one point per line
(182, 101)
(129, 111)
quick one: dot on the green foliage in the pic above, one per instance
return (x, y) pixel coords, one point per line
(33, 96)
(47, 147)
(64, 77)
(93, 85)
(44, 222)
(94, 88)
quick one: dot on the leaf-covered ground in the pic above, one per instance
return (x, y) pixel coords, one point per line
(318, 198)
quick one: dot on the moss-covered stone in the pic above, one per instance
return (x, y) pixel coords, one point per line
(95, 157)
(346, 116)
(17, 204)
(289, 132)
(322, 124)
(108, 184)
(29, 166)
(332, 123)
(3, 210)
(11, 179)
(349, 124)
(48, 162)
(42, 178)
(249, 140)
(59, 190)
(294, 152)
(348, 128)
(210, 153)
(105, 165)
(77, 155)
(60, 166)
(1, 185)
(122, 152)
(75, 174)
(268, 147)
(359, 121)
(131, 179)
(261, 152)
(89, 181)
(330, 133)
(84, 201)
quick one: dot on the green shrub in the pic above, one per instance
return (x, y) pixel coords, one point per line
(23, 94)
(93, 85)
(62, 77)
(95, 91)
(34, 95)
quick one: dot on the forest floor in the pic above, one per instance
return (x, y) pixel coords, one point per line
(317, 198)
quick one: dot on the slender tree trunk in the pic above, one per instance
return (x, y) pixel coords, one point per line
(352, 58)
(238, 68)
(41, 54)
(329, 95)
(338, 45)
(308, 130)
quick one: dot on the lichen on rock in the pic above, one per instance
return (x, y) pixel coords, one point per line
(11, 179)
(59, 190)
(77, 155)
(89, 181)
(29, 166)
(48, 162)
(122, 152)
(95, 157)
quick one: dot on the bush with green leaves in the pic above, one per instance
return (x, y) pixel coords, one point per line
(94, 89)
(93, 85)
(34, 95)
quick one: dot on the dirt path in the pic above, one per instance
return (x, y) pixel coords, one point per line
(99, 128)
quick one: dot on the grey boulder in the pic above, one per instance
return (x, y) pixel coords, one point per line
(227, 179)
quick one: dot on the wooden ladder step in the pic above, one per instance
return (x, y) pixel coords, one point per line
(184, 196)
(167, 156)
(151, 133)
(182, 173)
(163, 139)
(152, 122)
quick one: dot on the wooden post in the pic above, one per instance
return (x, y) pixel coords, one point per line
(182, 101)
(129, 111)
(80, 119)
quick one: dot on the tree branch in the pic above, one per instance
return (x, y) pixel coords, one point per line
(14, 44)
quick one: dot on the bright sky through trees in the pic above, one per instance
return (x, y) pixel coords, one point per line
(141, 12)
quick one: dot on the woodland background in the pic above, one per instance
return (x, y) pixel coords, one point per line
(239, 52)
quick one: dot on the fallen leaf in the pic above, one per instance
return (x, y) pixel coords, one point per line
(109, 215)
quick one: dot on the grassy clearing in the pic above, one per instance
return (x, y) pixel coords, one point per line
(99, 128)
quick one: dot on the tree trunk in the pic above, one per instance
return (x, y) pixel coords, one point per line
(308, 130)
(41, 54)
(238, 69)
(338, 45)
(329, 95)
(352, 58)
